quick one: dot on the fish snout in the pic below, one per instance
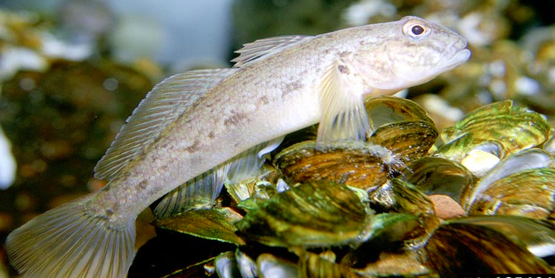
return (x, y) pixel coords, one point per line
(456, 54)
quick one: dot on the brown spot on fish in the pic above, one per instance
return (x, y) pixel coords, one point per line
(343, 69)
(193, 147)
(344, 54)
(235, 119)
(143, 184)
(211, 135)
(197, 160)
(291, 87)
(264, 100)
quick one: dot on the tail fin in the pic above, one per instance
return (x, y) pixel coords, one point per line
(67, 242)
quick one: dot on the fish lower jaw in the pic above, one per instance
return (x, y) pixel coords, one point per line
(455, 61)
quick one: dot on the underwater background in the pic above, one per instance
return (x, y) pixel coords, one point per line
(72, 71)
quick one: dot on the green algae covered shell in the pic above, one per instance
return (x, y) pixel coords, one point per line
(528, 193)
(456, 249)
(515, 128)
(436, 175)
(357, 164)
(214, 224)
(404, 133)
(311, 214)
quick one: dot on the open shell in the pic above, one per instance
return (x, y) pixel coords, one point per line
(372, 208)
(513, 127)
(405, 133)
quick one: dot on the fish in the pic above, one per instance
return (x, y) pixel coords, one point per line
(197, 129)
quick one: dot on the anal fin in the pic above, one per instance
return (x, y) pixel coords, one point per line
(202, 191)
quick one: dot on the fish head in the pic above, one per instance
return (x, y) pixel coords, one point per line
(414, 52)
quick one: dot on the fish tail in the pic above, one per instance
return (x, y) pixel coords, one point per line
(69, 242)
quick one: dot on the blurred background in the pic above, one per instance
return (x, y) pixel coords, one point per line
(72, 71)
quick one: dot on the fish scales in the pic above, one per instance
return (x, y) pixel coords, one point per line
(194, 143)
(278, 86)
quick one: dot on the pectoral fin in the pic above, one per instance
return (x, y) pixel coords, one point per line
(343, 114)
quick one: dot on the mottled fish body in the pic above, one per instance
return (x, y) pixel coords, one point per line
(194, 130)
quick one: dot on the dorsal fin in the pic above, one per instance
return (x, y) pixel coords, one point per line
(265, 47)
(162, 106)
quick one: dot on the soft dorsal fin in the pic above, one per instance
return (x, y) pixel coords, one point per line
(343, 115)
(265, 47)
(162, 106)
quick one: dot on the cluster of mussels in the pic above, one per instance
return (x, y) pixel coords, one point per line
(378, 208)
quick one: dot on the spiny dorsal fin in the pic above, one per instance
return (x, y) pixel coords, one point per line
(265, 47)
(343, 114)
(162, 106)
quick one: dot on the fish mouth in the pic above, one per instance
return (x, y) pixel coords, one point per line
(460, 55)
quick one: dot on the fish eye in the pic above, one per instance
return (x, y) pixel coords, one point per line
(417, 30)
